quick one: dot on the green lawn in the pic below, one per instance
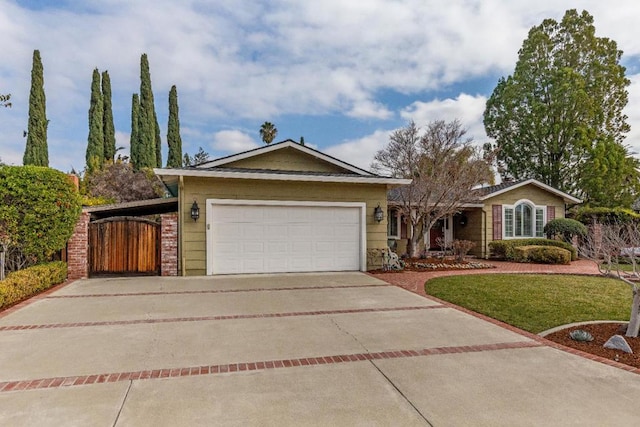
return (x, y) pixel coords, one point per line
(536, 302)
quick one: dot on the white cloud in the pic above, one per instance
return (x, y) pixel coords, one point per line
(232, 141)
(466, 108)
(360, 152)
(234, 60)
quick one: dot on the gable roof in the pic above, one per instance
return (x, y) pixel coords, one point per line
(495, 190)
(280, 146)
(223, 168)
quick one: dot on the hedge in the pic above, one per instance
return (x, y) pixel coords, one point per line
(22, 284)
(39, 208)
(542, 254)
(505, 249)
(589, 216)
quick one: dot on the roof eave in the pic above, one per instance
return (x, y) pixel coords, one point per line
(356, 179)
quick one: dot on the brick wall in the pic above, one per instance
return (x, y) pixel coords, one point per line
(78, 249)
(169, 244)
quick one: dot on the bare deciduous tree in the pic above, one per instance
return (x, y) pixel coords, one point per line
(608, 245)
(121, 183)
(444, 167)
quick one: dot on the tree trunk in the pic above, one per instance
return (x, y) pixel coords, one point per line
(634, 322)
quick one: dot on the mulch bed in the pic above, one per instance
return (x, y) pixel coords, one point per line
(436, 264)
(601, 333)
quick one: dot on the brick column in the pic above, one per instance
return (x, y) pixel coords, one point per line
(78, 249)
(169, 244)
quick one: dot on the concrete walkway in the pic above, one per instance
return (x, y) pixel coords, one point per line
(279, 350)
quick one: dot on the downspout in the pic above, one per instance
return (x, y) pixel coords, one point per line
(181, 225)
(483, 236)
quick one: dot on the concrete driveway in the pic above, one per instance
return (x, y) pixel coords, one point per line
(278, 350)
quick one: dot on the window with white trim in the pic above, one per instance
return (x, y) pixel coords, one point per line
(393, 224)
(524, 219)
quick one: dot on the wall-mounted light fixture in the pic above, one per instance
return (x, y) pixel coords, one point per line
(378, 215)
(195, 211)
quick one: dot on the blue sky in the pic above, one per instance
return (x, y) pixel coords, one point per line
(342, 74)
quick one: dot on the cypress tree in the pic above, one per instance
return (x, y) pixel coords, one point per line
(134, 141)
(95, 143)
(108, 126)
(158, 142)
(173, 131)
(36, 152)
(149, 131)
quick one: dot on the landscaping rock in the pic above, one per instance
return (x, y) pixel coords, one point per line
(617, 342)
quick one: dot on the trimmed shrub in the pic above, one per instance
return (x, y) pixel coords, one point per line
(39, 208)
(542, 254)
(504, 249)
(22, 284)
(565, 228)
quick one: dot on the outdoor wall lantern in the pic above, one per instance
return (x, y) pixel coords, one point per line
(378, 215)
(195, 211)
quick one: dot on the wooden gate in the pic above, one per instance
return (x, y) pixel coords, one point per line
(124, 245)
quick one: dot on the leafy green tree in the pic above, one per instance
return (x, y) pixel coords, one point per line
(95, 144)
(173, 131)
(559, 117)
(268, 132)
(36, 152)
(134, 140)
(38, 214)
(5, 100)
(200, 157)
(108, 126)
(148, 129)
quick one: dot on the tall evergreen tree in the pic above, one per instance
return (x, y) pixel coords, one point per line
(149, 131)
(173, 131)
(36, 152)
(158, 142)
(134, 141)
(95, 143)
(108, 126)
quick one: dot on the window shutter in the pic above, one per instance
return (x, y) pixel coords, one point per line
(551, 213)
(497, 222)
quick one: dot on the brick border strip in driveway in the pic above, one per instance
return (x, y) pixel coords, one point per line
(58, 382)
(219, 317)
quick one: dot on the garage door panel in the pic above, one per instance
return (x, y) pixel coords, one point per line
(274, 231)
(252, 248)
(301, 246)
(277, 247)
(226, 231)
(257, 238)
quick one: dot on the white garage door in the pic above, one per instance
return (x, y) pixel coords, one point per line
(275, 239)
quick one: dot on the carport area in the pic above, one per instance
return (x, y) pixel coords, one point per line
(338, 349)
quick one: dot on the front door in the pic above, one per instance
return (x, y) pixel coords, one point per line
(436, 233)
